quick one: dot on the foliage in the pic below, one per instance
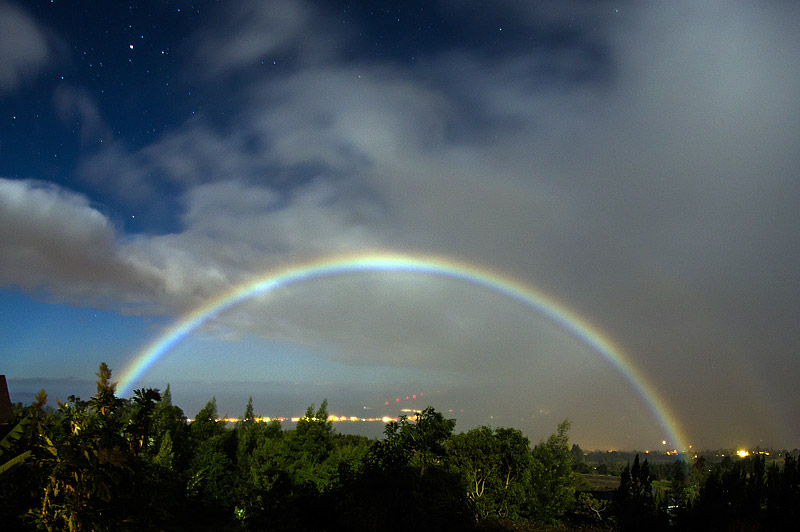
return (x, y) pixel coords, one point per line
(635, 504)
(169, 423)
(552, 486)
(96, 464)
(418, 445)
(310, 446)
(87, 463)
(210, 473)
(406, 482)
(495, 466)
(474, 456)
(579, 464)
(592, 509)
(748, 495)
(7, 444)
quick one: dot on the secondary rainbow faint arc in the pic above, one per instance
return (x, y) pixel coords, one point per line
(427, 265)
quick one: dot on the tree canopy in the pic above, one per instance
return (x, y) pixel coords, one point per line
(109, 463)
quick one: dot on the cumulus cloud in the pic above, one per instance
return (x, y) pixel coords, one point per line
(312, 220)
(256, 32)
(128, 175)
(641, 168)
(24, 48)
(53, 241)
(56, 244)
(75, 106)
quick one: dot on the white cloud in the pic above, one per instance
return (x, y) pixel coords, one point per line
(24, 48)
(651, 187)
(128, 175)
(646, 168)
(77, 107)
(254, 31)
(53, 241)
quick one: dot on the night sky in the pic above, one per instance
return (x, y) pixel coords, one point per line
(636, 162)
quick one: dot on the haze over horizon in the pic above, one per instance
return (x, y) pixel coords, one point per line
(634, 163)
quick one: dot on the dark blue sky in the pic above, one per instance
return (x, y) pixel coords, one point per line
(129, 73)
(635, 163)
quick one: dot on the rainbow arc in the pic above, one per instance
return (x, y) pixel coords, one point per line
(424, 265)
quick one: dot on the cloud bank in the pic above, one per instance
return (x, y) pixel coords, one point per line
(25, 48)
(639, 164)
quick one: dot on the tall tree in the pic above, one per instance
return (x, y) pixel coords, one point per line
(89, 464)
(634, 503)
(170, 421)
(140, 425)
(408, 468)
(211, 471)
(516, 460)
(418, 444)
(495, 466)
(579, 464)
(552, 485)
(474, 456)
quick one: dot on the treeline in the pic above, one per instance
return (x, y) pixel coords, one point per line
(137, 464)
(737, 495)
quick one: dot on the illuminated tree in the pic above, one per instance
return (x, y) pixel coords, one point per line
(418, 445)
(552, 486)
(407, 483)
(88, 463)
(210, 471)
(516, 460)
(474, 456)
(169, 421)
(495, 466)
(310, 445)
(140, 425)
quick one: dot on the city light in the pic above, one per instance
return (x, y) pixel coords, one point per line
(332, 418)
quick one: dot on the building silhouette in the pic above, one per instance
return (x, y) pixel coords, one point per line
(6, 412)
